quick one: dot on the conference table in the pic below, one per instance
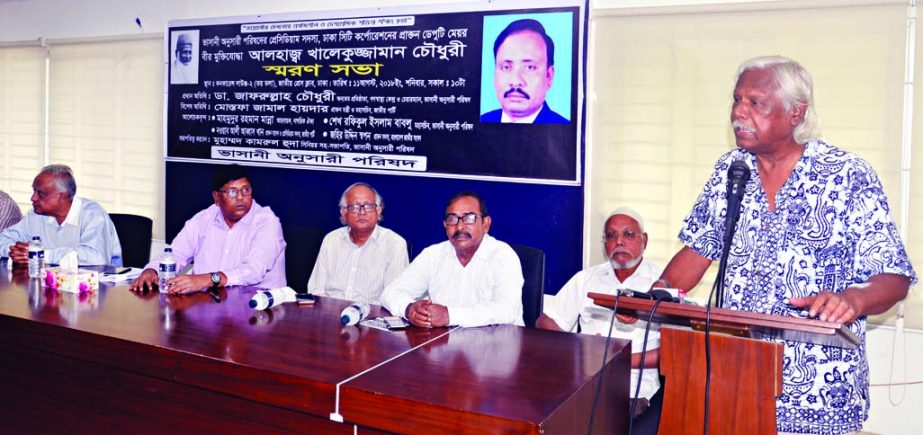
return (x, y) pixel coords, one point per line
(119, 361)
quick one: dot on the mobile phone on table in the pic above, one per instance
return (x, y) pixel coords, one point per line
(304, 298)
(111, 270)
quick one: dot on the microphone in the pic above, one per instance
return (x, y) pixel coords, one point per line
(659, 294)
(738, 175)
(633, 293)
(267, 299)
(354, 313)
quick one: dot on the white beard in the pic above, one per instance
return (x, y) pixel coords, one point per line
(626, 265)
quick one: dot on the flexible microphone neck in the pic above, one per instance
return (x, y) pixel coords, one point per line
(738, 175)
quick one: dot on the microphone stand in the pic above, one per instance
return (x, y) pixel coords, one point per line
(723, 264)
(738, 175)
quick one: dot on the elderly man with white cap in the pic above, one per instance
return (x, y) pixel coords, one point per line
(624, 241)
(184, 69)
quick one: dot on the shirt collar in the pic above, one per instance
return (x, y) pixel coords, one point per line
(375, 235)
(485, 245)
(73, 215)
(219, 217)
(643, 271)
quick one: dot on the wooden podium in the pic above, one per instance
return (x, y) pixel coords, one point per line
(746, 371)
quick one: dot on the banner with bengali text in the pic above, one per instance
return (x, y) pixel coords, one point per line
(399, 90)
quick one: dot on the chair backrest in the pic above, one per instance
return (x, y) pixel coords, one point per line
(135, 234)
(302, 244)
(533, 289)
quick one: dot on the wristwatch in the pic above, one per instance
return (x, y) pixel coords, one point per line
(216, 279)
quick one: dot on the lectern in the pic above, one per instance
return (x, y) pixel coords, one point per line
(746, 370)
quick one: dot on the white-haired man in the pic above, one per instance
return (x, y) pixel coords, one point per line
(64, 222)
(624, 241)
(815, 239)
(358, 260)
(184, 69)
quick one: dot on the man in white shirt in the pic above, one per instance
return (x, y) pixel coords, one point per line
(64, 222)
(472, 279)
(358, 260)
(624, 241)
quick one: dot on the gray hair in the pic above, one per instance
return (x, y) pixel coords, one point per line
(379, 201)
(795, 87)
(63, 177)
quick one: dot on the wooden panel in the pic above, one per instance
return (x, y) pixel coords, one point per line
(746, 377)
(45, 393)
(755, 325)
(209, 340)
(500, 379)
(117, 361)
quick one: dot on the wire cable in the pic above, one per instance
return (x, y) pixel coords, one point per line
(602, 372)
(634, 397)
(718, 282)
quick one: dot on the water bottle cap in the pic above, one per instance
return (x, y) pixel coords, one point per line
(36, 238)
(168, 249)
(253, 303)
(344, 319)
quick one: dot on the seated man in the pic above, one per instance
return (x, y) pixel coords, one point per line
(65, 222)
(358, 260)
(235, 241)
(9, 211)
(624, 241)
(472, 279)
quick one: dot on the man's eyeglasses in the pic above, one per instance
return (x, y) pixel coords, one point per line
(454, 219)
(355, 208)
(232, 192)
(628, 236)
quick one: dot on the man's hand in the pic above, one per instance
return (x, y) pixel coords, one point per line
(830, 307)
(426, 314)
(189, 283)
(439, 315)
(146, 281)
(626, 319)
(19, 253)
(418, 313)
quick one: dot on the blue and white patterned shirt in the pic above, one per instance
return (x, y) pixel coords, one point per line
(831, 228)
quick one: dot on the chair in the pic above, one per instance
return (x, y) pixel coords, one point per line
(302, 244)
(135, 234)
(533, 289)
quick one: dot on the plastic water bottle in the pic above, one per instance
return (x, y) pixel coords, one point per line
(167, 269)
(36, 257)
(268, 299)
(354, 313)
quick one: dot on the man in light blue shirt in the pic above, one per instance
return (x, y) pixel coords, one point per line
(64, 222)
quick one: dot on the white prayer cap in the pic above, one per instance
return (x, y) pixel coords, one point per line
(630, 212)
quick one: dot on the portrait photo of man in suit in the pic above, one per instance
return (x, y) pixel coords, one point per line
(524, 73)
